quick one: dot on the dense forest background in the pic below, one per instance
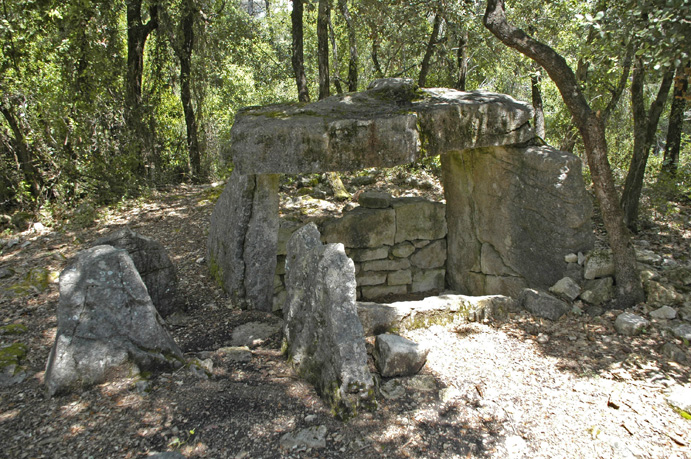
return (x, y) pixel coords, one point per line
(101, 100)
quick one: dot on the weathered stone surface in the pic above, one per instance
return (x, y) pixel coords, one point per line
(543, 304)
(371, 278)
(379, 291)
(419, 218)
(566, 288)
(402, 277)
(430, 256)
(106, 322)
(513, 214)
(381, 127)
(428, 280)
(311, 437)
(152, 263)
(386, 265)
(630, 324)
(368, 254)
(598, 264)
(378, 318)
(403, 250)
(375, 199)
(362, 228)
(285, 230)
(398, 356)
(243, 239)
(253, 334)
(323, 335)
(680, 398)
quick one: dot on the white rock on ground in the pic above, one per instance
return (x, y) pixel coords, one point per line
(398, 356)
(680, 397)
(665, 312)
(630, 324)
(566, 287)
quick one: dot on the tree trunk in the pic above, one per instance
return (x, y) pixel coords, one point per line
(137, 33)
(539, 117)
(645, 126)
(376, 44)
(433, 40)
(676, 120)
(185, 54)
(336, 62)
(22, 150)
(462, 58)
(323, 17)
(298, 57)
(352, 45)
(592, 129)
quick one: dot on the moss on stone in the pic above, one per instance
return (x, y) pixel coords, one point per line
(36, 280)
(12, 354)
(216, 271)
(13, 329)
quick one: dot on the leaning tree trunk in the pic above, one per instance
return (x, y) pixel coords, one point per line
(539, 117)
(676, 120)
(352, 45)
(462, 58)
(433, 40)
(22, 150)
(323, 16)
(645, 126)
(185, 54)
(376, 45)
(298, 55)
(137, 33)
(592, 129)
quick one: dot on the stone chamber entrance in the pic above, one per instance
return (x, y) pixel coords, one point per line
(514, 206)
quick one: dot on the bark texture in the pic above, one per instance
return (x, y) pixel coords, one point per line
(592, 129)
(352, 46)
(676, 119)
(433, 40)
(298, 57)
(185, 56)
(323, 17)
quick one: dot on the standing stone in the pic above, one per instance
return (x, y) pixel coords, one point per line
(323, 335)
(243, 239)
(106, 322)
(398, 356)
(152, 263)
(513, 215)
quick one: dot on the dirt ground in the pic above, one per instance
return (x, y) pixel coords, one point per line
(488, 390)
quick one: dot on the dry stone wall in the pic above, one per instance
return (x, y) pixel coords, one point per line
(398, 246)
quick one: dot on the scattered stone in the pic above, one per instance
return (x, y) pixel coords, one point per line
(658, 294)
(152, 263)
(11, 370)
(423, 383)
(685, 313)
(253, 334)
(398, 356)
(682, 331)
(566, 288)
(599, 263)
(392, 389)
(236, 353)
(312, 437)
(680, 398)
(543, 304)
(674, 352)
(630, 324)
(449, 394)
(375, 199)
(598, 291)
(542, 338)
(323, 336)
(665, 312)
(106, 322)
(571, 258)
(647, 256)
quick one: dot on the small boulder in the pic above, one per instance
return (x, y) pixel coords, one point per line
(107, 323)
(312, 437)
(152, 263)
(374, 199)
(398, 356)
(599, 263)
(682, 331)
(543, 304)
(598, 291)
(658, 294)
(566, 288)
(680, 398)
(665, 313)
(630, 324)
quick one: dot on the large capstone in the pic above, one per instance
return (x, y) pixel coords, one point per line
(107, 323)
(243, 239)
(513, 214)
(324, 338)
(152, 263)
